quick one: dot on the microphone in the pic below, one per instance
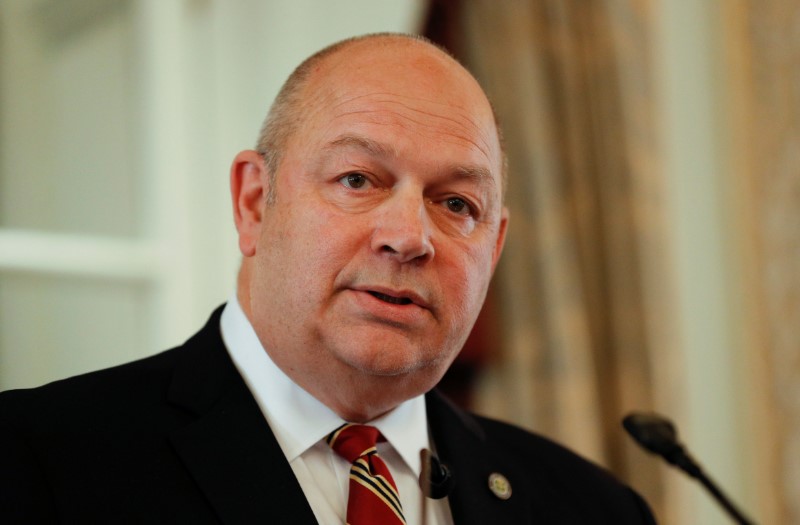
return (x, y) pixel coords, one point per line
(657, 435)
(435, 479)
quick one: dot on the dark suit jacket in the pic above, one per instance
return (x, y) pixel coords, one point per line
(177, 438)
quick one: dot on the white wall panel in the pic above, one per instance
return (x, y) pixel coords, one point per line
(118, 123)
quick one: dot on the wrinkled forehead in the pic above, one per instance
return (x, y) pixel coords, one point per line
(413, 77)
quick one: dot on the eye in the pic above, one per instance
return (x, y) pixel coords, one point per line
(457, 205)
(354, 181)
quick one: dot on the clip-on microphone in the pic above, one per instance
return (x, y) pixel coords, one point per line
(435, 479)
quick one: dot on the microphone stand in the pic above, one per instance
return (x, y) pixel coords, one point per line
(658, 436)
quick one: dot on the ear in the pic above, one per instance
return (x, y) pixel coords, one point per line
(249, 181)
(501, 237)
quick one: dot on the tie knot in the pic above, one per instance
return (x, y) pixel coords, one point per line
(354, 441)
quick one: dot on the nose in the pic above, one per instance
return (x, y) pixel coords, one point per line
(403, 229)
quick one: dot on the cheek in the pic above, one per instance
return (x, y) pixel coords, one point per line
(465, 281)
(472, 262)
(329, 240)
(315, 249)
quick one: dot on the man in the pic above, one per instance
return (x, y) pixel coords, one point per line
(370, 220)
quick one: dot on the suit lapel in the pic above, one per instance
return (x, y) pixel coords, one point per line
(228, 448)
(461, 445)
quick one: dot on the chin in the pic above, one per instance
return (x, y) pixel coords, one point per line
(387, 367)
(393, 360)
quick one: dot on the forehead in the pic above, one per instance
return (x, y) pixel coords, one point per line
(401, 92)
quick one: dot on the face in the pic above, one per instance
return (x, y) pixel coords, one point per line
(375, 257)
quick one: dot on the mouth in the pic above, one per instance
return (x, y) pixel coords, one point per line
(390, 298)
(401, 307)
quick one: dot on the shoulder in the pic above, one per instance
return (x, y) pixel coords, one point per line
(562, 486)
(96, 394)
(567, 476)
(108, 433)
(506, 439)
(127, 392)
(550, 459)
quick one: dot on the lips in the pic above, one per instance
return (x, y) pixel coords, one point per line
(398, 307)
(394, 296)
(390, 298)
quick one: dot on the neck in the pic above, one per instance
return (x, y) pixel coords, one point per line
(360, 404)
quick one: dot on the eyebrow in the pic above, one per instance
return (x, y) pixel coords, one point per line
(377, 149)
(478, 174)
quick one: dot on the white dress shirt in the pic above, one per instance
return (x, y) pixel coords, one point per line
(300, 423)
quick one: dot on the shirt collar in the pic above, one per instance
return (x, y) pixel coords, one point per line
(297, 418)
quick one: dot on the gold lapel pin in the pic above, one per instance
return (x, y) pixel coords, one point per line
(499, 485)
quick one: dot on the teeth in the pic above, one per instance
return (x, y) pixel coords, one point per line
(390, 299)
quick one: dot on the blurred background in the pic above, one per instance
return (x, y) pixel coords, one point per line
(654, 254)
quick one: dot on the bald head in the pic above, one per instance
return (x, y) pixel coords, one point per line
(303, 91)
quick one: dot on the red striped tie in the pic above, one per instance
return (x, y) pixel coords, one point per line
(373, 495)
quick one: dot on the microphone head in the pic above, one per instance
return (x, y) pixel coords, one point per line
(655, 433)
